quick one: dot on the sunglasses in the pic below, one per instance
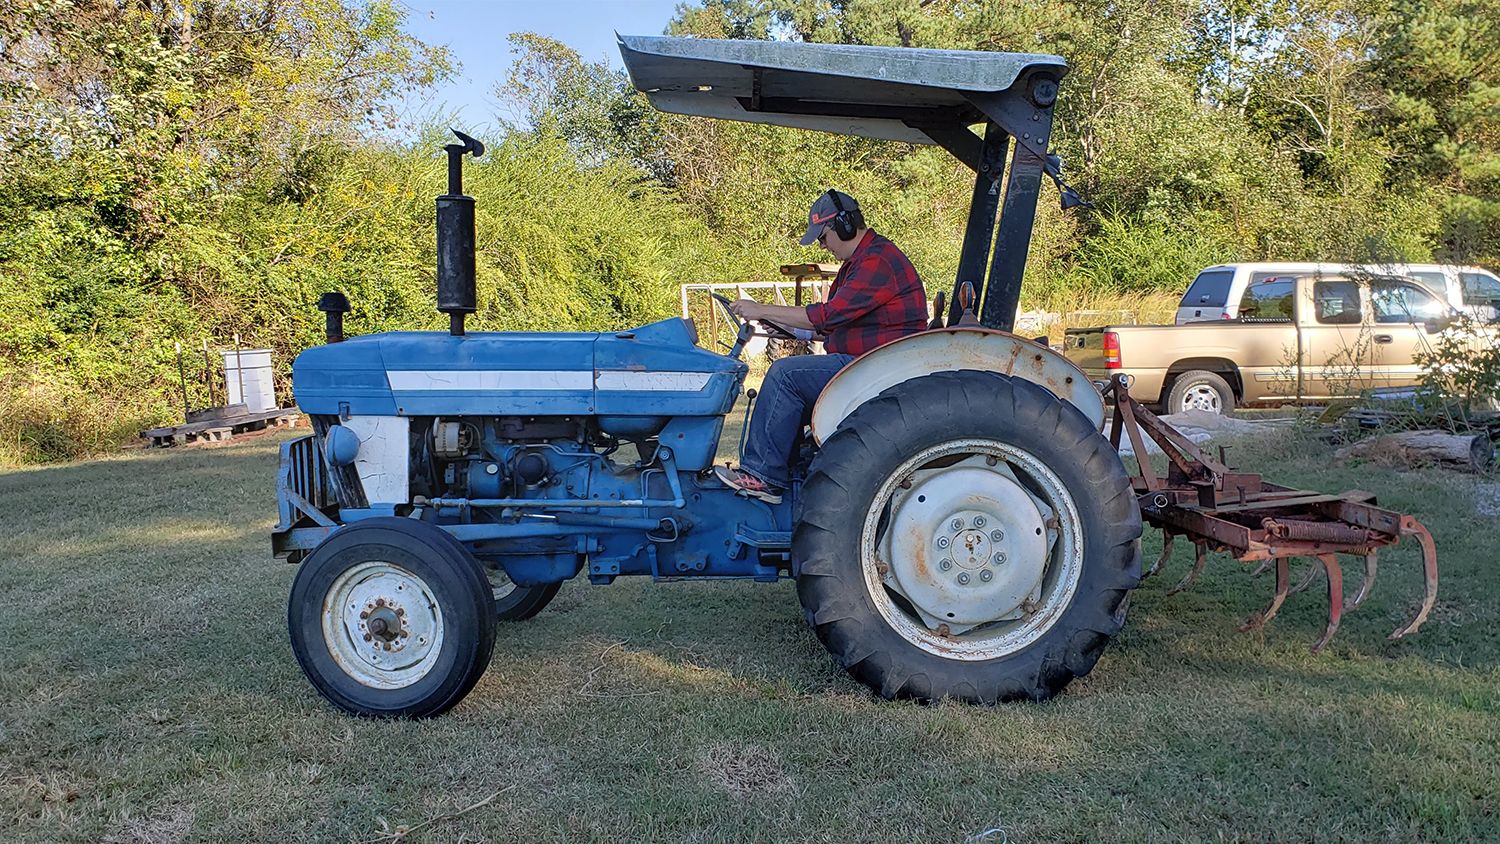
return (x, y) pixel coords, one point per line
(822, 237)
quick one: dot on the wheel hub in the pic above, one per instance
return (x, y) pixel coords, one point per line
(968, 545)
(1201, 397)
(382, 625)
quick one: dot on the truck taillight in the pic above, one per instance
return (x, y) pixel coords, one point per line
(1111, 350)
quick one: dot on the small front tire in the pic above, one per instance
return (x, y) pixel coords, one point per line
(392, 617)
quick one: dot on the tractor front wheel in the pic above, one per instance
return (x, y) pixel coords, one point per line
(966, 535)
(514, 602)
(392, 617)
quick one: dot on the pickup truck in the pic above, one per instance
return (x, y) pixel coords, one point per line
(1300, 337)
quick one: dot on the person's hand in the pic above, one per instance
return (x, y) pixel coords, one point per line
(746, 309)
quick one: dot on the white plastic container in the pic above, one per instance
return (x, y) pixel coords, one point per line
(252, 369)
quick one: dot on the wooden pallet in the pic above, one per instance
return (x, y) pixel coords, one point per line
(222, 428)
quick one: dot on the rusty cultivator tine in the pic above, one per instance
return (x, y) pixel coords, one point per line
(1283, 577)
(1166, 553)
(1335, 599)
(1368, 582)
(1307, 579)
(1200, 559)
(1219, 508)
(1412, 527)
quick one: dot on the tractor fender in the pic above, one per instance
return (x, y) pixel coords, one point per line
(947, 350)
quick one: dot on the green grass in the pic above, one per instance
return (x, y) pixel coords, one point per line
(151, 695)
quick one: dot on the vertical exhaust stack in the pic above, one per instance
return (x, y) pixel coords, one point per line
(455, 239)
(333, 305)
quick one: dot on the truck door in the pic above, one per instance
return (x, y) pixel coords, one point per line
(1335, 342)
(1270, 361)
(1399, 332)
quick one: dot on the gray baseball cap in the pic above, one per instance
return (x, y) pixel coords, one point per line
(822, 213)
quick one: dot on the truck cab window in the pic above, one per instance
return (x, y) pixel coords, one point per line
(1401, 302)
(1271, 299)
(1479, 288)
(1436, 281)
(1336, 302)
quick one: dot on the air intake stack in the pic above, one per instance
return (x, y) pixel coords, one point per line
(455, 239)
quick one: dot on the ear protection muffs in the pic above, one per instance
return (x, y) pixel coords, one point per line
(844, 224)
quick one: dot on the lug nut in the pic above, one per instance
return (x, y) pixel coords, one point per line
(997, 535)
(958, 524)
(367, 637)
(985, 575)
(945, 564)
(999, 556)
(942, 542)
(963, 579)
(979, 521)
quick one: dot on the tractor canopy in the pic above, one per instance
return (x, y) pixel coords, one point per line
(914, 95)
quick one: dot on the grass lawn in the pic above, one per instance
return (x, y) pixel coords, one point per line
(151, 695)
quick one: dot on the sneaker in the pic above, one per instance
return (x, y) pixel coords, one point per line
(748, 484)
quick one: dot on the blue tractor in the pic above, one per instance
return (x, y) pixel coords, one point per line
(957, 526)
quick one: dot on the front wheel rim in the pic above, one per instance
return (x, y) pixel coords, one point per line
(383, 625)
(1202, 397)
(1011, 547)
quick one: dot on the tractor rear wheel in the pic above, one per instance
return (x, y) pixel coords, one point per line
(966, 535)
(392, 617)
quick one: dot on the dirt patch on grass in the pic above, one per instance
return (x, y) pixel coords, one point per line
(744, 770)
(1487, 499)
(169, 825)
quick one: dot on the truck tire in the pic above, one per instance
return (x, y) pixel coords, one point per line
(518, 603)
(938, 504)
(392, 618)
(1199, 389)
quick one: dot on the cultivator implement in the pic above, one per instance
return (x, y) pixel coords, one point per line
(1217, 508)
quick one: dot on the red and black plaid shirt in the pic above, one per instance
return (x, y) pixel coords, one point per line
(877, 297)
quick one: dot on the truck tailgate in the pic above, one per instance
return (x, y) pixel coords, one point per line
(1085, 347)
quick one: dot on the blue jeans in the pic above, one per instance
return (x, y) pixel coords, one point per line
(782, 408)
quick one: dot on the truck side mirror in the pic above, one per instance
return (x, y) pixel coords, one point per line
(1436, 325)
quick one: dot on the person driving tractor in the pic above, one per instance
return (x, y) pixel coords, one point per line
(876, 297)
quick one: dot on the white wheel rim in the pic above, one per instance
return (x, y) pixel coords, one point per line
(1201, 397)
(1025, 593)
(383, 625)
(500, 582)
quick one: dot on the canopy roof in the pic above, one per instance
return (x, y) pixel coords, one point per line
(892, 93)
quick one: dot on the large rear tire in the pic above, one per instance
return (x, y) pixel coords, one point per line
(966, 535)
(392, 617)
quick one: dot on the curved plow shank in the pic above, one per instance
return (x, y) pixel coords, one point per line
(1412, 527)
(1200, 559)
(1367, 583)
(1265, 566)
(1335, 599)
(1307, 579)
(1283, 576)
(1166, 552)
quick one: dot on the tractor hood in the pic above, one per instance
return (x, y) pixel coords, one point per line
(654, 370)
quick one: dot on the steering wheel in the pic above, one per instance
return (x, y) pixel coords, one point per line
(774, 329)
(734, 318)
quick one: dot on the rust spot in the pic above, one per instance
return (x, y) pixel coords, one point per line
(919, 557)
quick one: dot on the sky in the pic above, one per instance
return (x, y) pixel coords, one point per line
(476, 33)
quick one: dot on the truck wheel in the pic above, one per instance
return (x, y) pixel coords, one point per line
(966, 535)
(518, 603)
(1200, 389)
(392, 618)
